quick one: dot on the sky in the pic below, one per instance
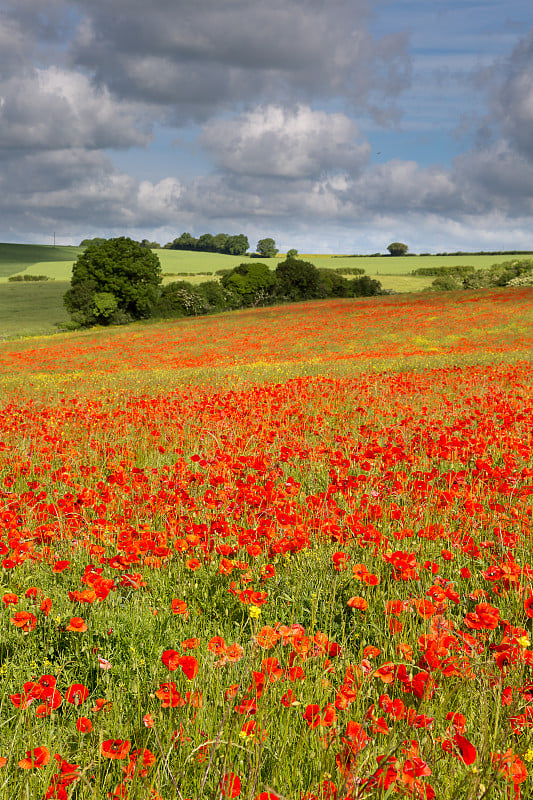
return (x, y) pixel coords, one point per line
(331, 126)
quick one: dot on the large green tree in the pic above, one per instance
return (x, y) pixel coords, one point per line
(397, 248)
(116, 280)
(297, 280)
(267, 248)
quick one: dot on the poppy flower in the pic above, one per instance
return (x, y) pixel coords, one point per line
(76, 625)
(76, 694)
(189, 665)
(10, 599)
(24, 620)
(36, 758)
(216, 645)
(116, 749)
(84, 725)
(358, 602)
(179, 607)
(171, 659)
(230, 785)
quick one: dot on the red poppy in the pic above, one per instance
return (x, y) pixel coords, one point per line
(77, 625)
(76, 694)
(230, 785)
(116, 749)
(84, 725)
(36, 758)
(24, 620)
(171, 659)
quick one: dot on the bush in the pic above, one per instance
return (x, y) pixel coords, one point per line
(28, 278)
(445, 283)
(365, 287)
(252, 282)
(181, 299)
(456, 272)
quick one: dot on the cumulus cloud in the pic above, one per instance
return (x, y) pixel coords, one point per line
(293, 143)
(55, 108)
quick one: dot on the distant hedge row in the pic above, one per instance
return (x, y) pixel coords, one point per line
(19, 278)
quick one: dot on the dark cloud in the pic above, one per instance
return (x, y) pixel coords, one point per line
(202, 56)
(513, 97)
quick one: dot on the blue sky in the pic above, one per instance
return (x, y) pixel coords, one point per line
(330, 125)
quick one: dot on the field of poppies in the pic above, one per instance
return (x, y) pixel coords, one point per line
(281, 554)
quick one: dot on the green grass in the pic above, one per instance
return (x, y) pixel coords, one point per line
(56, 262)
(30, 309)
(20, 258)
(33, 309)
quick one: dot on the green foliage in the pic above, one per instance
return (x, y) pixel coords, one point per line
(292, 253)
(365, 287)
(218, 297)
(30, 278)
(454, 271)
(297, 280)
(397, 249)
(267, 248)
(118, 267)
(446, 283)
(235, 245)
(96, 240)
(181, 299)
(253, 282)
(333, 285)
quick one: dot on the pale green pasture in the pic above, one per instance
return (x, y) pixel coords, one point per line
(403, 265)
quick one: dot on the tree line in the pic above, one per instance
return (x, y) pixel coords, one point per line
(116, 281)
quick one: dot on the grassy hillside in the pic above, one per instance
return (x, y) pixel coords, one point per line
(29, 309)
(20, 258)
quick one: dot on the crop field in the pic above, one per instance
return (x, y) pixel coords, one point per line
(279, 554)
(56, 262)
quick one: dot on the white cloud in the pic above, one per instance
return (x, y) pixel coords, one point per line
(55, 108)
(292, 143)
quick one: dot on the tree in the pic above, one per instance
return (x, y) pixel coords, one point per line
(397, 249)
(183, 242)
(237, 245)
(267, 248)
(206, 243)
(292, 253)
(113, 281)
(297, 280)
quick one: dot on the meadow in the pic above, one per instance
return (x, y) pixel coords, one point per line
(278, 554)
(28, 309)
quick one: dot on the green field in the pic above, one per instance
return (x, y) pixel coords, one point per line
(20, 258)
(56, 262)
(29, 309)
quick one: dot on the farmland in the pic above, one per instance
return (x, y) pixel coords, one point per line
(33, 309)
(279, 553)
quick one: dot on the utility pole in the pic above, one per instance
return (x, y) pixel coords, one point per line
(54, 238)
